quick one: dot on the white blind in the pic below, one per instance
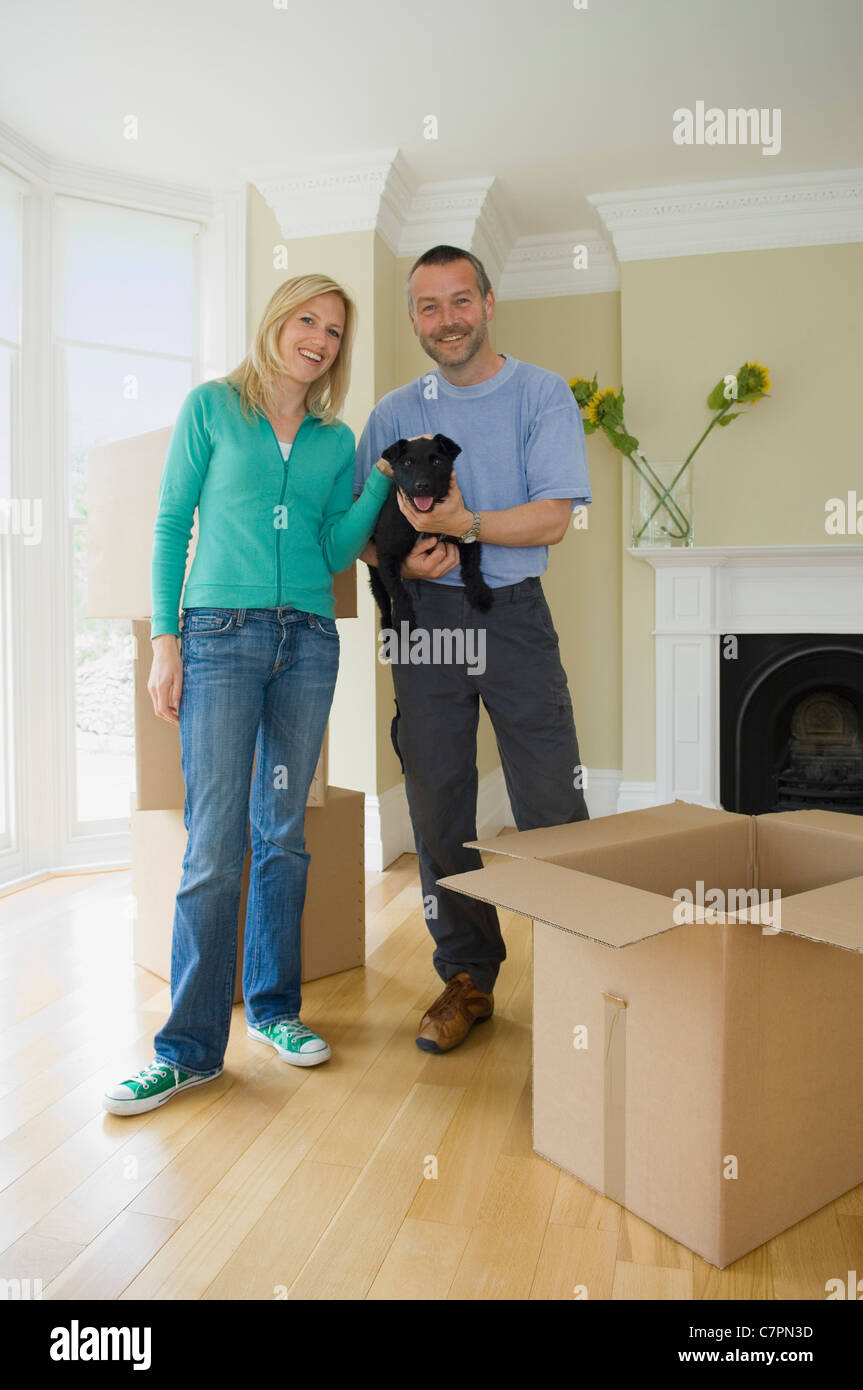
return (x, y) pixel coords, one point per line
(125, 277)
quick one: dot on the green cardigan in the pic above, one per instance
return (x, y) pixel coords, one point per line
(270, 532)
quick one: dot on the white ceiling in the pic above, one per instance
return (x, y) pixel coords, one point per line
(555, 102)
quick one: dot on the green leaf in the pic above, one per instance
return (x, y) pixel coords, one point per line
(726, 419)
(626, 443)
(589, 426)
(717, 399)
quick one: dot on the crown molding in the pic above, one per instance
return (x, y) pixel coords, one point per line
(376, 192)
(463, 212)
(69, 179)
(542, 267)
(734, 215)
(363, 192)
(22, 156)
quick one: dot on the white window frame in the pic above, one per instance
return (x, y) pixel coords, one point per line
(41, 648)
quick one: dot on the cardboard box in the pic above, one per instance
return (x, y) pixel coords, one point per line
(706, 1074)
(333, 922)
(122, 494)
(159, 784)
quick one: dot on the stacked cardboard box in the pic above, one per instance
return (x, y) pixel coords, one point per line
(700, 1062)
(123, 485)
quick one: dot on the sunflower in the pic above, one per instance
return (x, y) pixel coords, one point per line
(753, 381)
(582, 388)
(601, 405)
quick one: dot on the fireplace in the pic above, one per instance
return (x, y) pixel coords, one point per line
(791, 722)
(779, 726)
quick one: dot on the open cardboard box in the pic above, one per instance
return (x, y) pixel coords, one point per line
(706, 1074)
(333, 921)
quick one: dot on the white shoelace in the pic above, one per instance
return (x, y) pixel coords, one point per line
(154, 1071)
(294, 1028)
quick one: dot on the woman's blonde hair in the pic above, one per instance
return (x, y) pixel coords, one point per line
(256, 377)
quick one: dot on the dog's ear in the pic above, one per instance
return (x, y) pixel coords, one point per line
(396, 452)
(447, 446)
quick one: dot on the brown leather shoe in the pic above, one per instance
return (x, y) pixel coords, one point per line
(453, 1014)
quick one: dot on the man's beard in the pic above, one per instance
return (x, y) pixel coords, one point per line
(471, 344)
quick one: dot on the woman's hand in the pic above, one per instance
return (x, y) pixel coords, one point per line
(166, 677)
(386, 468)
(450, 517)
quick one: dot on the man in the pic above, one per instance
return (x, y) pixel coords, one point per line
(521, 470)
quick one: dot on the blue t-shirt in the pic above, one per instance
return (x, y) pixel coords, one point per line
(521, 439)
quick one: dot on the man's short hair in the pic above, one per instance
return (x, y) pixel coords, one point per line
(444, 255)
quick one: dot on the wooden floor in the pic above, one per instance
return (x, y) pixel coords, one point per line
(274, 1182)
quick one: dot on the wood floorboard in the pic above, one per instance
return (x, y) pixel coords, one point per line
(387, 1173)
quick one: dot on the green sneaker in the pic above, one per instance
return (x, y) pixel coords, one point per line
(152, 1086)
(293, 1041)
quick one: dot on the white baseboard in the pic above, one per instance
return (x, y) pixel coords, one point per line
(602, 791)
(388, 824)
(634, 796)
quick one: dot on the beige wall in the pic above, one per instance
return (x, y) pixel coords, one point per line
(765, 479)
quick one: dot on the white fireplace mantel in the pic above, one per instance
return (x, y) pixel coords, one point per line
(705, 591)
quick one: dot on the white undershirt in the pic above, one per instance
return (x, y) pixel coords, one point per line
(285, 448)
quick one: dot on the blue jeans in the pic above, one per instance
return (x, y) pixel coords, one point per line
(255, 681)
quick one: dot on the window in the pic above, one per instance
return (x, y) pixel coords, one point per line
(125, 339)
(15, 514)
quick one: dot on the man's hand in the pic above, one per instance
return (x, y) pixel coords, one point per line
(450, 516)
(430, 558)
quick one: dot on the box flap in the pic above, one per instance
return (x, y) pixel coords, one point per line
(833, 915)
(799, 856)
(597, 909)
(840, 822)
(625, 826)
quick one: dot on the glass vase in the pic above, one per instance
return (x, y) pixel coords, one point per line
(661, 504)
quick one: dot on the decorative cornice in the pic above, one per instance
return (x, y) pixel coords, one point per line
(468, 213)
(541, 267)
(342, 194)
(376, 192)
(734, 215)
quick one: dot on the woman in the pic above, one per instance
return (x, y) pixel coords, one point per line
(263, 456)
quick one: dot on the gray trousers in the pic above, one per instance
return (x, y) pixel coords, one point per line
(511, 662)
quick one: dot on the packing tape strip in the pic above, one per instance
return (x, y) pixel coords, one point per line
(614, 1109)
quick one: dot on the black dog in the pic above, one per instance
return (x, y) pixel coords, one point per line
(422, 469)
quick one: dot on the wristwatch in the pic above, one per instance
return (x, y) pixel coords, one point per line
(472, 532)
